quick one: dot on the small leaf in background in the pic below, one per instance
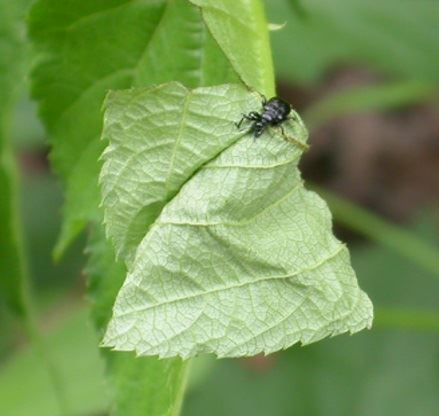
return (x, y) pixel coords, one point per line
(241, 258)
(140, 386)
(87, 48)
(240, 28)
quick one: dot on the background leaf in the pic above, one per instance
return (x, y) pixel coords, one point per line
(242, 259)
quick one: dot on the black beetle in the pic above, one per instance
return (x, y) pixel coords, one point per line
(274, 112)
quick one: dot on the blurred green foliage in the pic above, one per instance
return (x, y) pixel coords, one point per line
(393, 37)
(25, 388)
(388, 96)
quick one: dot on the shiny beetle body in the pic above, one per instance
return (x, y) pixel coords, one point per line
(274, 112)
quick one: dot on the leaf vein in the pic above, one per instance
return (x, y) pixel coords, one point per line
(272, 166)
(318, 264)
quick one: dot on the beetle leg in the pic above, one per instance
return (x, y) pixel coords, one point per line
(244, 117)
(239, 123)
(252, 116)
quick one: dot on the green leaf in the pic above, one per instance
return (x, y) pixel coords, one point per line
(141, 386)
(235, 256)
(87, 48)
(240, 28)
(12, 57)
(147, 385)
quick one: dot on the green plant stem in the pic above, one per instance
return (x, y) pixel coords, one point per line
(408, 319)
(382, 232)
(182, 390)
(269, 80)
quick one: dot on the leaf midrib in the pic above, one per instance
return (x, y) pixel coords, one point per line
(321, 262)
(132, 71)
